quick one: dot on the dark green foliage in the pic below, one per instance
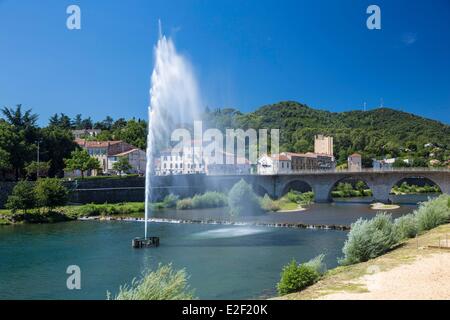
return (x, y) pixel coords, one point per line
(374, 134)
(23, 197)
(122, 165)
(50, 193)
(82, 161)
(296, 277)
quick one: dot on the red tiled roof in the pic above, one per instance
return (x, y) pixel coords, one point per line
(95, 144)
(124, 153)
(280, 157)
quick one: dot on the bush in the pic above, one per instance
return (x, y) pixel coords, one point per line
(50, 193)
(210, 199)
(162, 284)
(295, 277)
(368, 239)
(170, 201)
(267, 204)
(433, 213)
(242, 200)
(106, 209)
(306, 198)
(23, 197)
(184, 204)
(318, 264)
(406, 227)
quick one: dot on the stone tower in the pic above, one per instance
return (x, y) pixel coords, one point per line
(323, 145)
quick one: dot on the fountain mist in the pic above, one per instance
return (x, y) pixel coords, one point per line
(174, 100)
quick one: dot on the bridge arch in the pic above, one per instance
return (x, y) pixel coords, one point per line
(353, 180)
(418, 180)
(260, 190)
(296, 184)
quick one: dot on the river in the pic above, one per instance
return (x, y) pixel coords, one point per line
(223, 261)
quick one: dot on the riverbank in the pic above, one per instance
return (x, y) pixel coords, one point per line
(412, 271)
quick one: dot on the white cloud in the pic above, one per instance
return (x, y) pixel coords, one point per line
(409, 38)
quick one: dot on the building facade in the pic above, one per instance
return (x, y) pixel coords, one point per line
(323, 145)
(109, 152)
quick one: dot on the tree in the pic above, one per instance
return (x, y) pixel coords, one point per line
(18, 118)
(135, 133)
(77, 122)
(23, 197)
(38, 170)
(5, 161)
(242, 200)
(63, 139)
(82, 161)
(20, 135)
(50, 193)
(361, 186)
(122, 165)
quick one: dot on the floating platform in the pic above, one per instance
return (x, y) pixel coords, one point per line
(149, 242)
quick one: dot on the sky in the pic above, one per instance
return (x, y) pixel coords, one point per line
(245, 54)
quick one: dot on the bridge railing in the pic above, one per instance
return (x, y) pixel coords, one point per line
(331, 171)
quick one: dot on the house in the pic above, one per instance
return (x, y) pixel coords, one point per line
(108, 152)
(275, 164)
(354, 162)
(384, 164)
(136, 158)
(289, 162)
(85, 133)
(192, 160)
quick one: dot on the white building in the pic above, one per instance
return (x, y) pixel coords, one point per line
(384, 164)
(108, 152)
(136, 157)
(276, 164)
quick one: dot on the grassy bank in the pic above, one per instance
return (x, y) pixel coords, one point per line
(349, 278)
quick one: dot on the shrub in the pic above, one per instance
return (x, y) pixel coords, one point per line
(50, 193)
(210, 199)
(22, 197)
(306, 198)
(406, 227)
(184, 204)
(295, 277)
(161, 284)
(267, 204)
(368, 239)
(433, 213)
(318, 264)
(294, 196)
(242, 200)
(170, 201)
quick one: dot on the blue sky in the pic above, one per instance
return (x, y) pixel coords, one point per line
(245, 54)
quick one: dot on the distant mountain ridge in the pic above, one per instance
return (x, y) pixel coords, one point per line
(375, 133)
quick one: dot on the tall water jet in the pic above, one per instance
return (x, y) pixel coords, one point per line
(174, 100)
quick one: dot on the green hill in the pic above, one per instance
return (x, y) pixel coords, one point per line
(376, 133)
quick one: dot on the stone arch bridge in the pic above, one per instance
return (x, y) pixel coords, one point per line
(321, 182)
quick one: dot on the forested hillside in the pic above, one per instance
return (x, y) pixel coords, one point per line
(376, 133)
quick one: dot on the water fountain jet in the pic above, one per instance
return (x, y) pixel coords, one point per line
(174, 100)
